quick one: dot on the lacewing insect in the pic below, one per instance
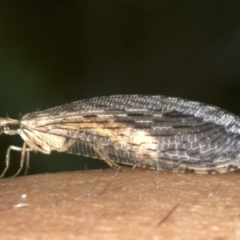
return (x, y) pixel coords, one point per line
(155, 132)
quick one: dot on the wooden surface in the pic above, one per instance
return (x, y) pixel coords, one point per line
(131, 204)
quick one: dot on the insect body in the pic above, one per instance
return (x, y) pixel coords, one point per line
(144, 131)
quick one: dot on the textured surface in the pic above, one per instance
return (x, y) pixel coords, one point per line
(145, 131)
(131, 205)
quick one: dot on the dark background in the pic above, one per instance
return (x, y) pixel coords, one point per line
(53, 52)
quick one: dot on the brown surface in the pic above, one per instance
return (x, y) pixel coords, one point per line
(95, 205)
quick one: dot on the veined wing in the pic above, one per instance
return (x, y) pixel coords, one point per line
(146, 131)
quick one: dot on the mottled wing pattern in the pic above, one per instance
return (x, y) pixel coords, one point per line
(146, 131)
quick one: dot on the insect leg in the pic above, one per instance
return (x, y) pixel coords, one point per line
(111, 163)
(7, 160)
(27, 162)
(104, 157)
(25, 152)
